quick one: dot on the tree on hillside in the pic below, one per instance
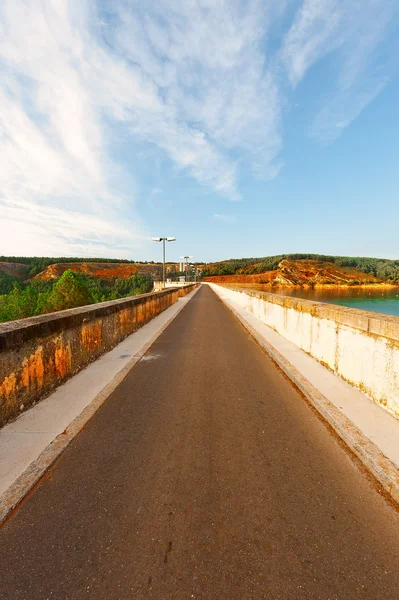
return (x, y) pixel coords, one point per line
(18, 304)
(6, 283)
(132, 286)
(70, 291)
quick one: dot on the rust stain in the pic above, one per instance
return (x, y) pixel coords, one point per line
(125, 320)
(33, 370)
(140, 313)
(91, 336)
(63, 360)
(36, 371)
(7, 388)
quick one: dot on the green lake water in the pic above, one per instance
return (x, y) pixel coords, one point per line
(378, 300)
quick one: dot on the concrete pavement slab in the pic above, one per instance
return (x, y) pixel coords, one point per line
(23, 441)
(371, 432)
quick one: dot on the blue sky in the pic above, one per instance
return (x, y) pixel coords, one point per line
(242, 128)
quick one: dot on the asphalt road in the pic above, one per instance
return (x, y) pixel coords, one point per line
(205, 475)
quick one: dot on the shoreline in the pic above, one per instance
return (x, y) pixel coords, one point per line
(317, 286)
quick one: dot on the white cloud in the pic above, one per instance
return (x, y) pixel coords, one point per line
(358, 36)
(55, 174)
(32, 229)
(228, 219)
(199, 81)
(312, 35)
(217, 94)
(344, 108)
(187, 77)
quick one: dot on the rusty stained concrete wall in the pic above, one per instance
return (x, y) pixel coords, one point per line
(361, 347)
(40, 353)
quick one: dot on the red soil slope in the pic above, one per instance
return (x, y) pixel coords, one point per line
(301, 273)
(14, 269)
(100, 270)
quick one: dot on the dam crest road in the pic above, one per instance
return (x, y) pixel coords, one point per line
(205, 475)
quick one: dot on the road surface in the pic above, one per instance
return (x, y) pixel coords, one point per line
(205, 475)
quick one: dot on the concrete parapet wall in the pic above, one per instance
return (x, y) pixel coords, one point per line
(40, 353)
(361, 347)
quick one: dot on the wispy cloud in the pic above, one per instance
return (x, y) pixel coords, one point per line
(358, 35)
(27, 225)
(229, 219)
(200, 82)
(56, 174)
(313, 34)
(188, 77)
(216, 93)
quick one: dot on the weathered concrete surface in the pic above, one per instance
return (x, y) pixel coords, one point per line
(370, 432)
(361, 347)
(39, 353)
(34, 440)
(205, 476)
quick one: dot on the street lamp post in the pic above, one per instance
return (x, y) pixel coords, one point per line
(186, 259)
(163, 240)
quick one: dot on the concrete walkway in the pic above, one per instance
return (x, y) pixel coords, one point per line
(24, 440)
(205, 475)
(369, 431)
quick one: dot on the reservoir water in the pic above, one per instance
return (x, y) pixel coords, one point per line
(384, 301)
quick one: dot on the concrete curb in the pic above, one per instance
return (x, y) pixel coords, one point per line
(21, 487)
(382, 469)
